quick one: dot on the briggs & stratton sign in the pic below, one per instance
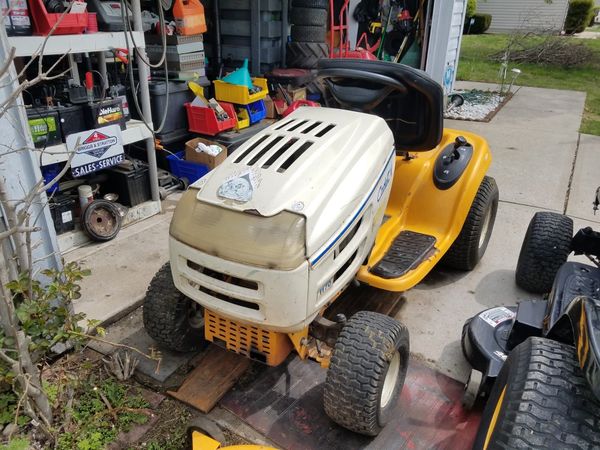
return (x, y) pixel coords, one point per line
(98, 149)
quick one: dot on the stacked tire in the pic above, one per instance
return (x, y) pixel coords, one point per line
(309, 33)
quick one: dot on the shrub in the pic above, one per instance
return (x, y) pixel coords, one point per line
(481, 23)
(578, 16)
(471, 7)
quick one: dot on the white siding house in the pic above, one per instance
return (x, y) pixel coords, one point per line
(525, 15)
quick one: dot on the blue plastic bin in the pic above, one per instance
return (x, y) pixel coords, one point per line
(49, 172)
(257, 111)
(181, 168)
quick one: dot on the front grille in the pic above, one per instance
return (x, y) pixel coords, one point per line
(262, 345)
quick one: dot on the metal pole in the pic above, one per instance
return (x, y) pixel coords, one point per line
(144, 75)
(255, 35)
(284, 29)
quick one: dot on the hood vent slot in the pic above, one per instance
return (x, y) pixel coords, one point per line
(298, 125)
(285, 123)
(293, 157)
(311, 127)
(265, 149)
(325, 130)
(280, 151)
(252, 147)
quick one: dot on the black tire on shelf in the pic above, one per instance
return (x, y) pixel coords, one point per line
(314, 4)
(173, 320)
(304, 55)
(546, 247)
(366, 372)
(308, 16)
(540, 400)
(308, 33)
(101, 220)
(470, 245)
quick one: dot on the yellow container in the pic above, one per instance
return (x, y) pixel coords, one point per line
(243, 119)
(233, 93)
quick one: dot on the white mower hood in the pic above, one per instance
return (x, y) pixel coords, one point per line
(318, 162)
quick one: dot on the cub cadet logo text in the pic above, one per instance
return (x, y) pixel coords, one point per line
(109, 110)
(384, 185)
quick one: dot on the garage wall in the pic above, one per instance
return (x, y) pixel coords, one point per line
(526, 15)
(444, 42)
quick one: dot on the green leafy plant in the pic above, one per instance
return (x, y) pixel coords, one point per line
(579, 15)
(471, 8)
(478, 24)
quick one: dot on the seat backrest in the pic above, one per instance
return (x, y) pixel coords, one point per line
(406, 98)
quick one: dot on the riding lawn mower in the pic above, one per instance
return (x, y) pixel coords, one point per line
(369, 189)
(537, 365)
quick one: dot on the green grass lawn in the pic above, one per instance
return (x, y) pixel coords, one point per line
(475, 65)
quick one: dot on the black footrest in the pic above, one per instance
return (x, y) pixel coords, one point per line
(407, 251)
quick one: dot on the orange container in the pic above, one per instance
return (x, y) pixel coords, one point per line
(189, 17)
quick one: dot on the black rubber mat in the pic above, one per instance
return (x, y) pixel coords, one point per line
(407, 251)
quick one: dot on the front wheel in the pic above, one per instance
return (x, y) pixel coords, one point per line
(366, 372)
(173, 320)
(540, 400)
(470, 245)
(546, 247)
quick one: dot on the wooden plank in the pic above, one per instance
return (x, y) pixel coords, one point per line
(216, 373)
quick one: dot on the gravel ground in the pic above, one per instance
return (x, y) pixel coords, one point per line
(478, 105)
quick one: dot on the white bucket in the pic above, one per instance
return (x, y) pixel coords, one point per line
(86, 195)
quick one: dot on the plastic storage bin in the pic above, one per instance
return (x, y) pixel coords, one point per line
(186, 169)
(179, 95)
(49, 172)
(239, 95)
(243, 119)
(43, 21)
(203, 120)
(132, 184)
(257, 111)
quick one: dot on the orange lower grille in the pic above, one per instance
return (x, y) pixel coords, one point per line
(266, 346)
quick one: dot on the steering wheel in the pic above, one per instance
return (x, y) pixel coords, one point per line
(357, 97)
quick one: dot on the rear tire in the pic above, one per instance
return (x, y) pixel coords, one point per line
(304, 55)
(366, 372)
(546, 247)
(173, 320)
(308, 33)
(309, 16)
(315, 4)
(470, 245)
(540, 400)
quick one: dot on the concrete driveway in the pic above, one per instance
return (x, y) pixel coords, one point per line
(541, 162)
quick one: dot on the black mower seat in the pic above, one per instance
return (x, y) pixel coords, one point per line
(406, 98)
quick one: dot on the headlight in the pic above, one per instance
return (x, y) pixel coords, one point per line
(275, 242)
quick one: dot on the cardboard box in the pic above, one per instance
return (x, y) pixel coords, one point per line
(204, 158)
(270, 107)
(294, 94)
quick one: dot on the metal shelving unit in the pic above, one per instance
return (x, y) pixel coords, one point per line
(99, 43)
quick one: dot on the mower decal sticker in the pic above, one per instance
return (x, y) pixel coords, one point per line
(240, 187)
(328, 247)
(328, 284)
(496, 316)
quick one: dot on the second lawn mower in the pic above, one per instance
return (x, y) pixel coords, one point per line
(370, 188)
